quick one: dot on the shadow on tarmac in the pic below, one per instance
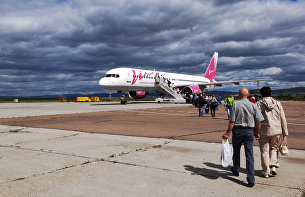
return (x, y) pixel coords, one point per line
(215, 174)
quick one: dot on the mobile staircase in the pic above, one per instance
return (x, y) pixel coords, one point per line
(163, 83)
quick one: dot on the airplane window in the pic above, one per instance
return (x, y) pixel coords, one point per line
(108, 75)
(117, 76)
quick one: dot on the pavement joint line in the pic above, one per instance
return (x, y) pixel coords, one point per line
(52, 171)
(45, 151)
(280, 186)
(13, 130)
(201, 133)
(65, 136)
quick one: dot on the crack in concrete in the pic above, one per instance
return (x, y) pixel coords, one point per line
(91, 160)
(200, 133)
(16, 131)
(52, 171)
(65, 136)
(44, 151)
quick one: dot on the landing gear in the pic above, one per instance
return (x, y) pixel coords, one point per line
(123, 99)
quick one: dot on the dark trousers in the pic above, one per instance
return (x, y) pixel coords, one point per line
(243, 136)
(213, 111)
(201, 110)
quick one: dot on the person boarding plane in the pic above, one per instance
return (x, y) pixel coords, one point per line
(138, 82)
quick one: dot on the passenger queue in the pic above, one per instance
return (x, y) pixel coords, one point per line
(263, 120)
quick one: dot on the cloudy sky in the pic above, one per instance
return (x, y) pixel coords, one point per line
(64, 46)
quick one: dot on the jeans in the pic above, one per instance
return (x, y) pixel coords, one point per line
(243, 136)
(201, 110)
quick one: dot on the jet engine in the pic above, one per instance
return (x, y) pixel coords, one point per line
(137, 94)
(191, 90)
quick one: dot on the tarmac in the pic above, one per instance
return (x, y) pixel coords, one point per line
(52, 162)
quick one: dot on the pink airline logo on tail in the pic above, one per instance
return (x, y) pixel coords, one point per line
(211, 71)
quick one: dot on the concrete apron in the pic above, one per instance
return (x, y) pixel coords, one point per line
(48, 162)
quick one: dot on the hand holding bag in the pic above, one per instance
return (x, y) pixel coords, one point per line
(226, 153)
(284, 148)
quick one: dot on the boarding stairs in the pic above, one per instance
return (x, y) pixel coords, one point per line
(163, 83)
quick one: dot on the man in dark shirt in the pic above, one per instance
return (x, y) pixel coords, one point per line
(201, 102)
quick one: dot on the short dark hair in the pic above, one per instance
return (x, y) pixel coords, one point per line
(265, 91)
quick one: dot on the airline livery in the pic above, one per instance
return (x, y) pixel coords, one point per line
(139, 82)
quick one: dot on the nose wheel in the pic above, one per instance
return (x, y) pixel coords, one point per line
(123, 99)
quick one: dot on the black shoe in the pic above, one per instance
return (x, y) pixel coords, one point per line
(273, 173)
(234, 173)
(251, 184)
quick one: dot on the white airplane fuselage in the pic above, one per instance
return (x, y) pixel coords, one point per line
(129, 79)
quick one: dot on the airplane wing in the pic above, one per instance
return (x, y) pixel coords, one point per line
(220, 83)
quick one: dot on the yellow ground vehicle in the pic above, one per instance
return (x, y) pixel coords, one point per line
(95, 99)
(83, 99)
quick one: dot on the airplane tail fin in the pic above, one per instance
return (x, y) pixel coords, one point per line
(211, 70)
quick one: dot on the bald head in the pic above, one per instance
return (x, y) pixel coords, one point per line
(243, 93)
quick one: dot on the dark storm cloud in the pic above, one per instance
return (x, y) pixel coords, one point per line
(60, 47)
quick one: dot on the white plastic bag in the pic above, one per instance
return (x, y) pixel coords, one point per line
(226, 153)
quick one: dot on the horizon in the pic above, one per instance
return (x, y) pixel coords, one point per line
(52, 96)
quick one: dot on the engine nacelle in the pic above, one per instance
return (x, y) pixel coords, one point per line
(137, 94)
(192, 90)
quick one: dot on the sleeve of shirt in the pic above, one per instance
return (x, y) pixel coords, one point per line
(283, 121)
(258, 114)
(233, 113)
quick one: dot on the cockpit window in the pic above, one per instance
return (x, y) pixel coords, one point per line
(112, 75)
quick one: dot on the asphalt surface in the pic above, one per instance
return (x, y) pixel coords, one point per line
(56, 162)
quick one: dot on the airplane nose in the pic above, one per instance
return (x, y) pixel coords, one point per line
(102, 82)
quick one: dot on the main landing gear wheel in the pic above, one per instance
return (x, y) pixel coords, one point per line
(123, 102)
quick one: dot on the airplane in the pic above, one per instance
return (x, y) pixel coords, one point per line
(138, 83)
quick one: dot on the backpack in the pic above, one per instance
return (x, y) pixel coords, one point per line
(207, 109)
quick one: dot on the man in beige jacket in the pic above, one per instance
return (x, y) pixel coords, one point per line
(272, 128)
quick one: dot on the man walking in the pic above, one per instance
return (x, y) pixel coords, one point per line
(229, 102)
(201, 104)
(273, 127)
(243, 118)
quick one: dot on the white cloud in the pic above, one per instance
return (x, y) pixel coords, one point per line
(270, 71)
